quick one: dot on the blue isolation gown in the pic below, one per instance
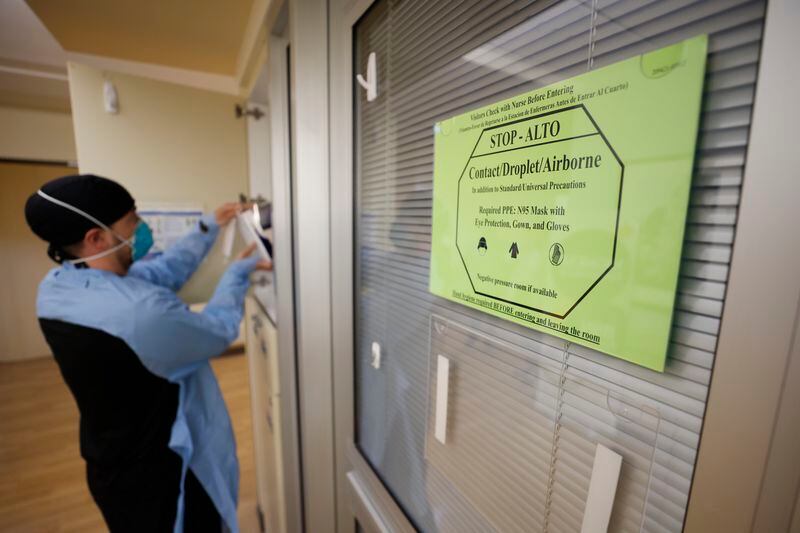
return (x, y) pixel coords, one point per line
(172, 342)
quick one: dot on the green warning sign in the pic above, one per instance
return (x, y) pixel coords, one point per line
(563, 209)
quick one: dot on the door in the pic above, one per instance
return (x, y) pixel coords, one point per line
(20, 336)
(526, 409)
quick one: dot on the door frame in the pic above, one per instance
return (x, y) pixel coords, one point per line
(308, 27)
(747, 476)
(285, 280)
(360, 493)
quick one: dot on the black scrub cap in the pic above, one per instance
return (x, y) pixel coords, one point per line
(103, 199)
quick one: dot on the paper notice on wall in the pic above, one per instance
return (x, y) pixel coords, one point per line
(169, 224)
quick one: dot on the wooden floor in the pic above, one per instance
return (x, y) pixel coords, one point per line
(42, 476)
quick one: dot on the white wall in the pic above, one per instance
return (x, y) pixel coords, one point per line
(36, 135)
(168, 144)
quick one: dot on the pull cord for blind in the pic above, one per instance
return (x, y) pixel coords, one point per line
(592, 35)
(388, 197)
(556, 436)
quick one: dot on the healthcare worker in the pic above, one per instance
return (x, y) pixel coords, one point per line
(154, 430)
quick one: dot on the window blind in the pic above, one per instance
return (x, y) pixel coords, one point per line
(515, 469)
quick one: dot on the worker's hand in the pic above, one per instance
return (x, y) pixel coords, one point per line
(226, 212)
(247, 252)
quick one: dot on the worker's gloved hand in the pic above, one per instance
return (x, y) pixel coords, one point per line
(226, 212)
(252, 262)
(234, 283)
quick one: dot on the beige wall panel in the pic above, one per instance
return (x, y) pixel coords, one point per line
(24, 263)
(167, 144)
(36, 135)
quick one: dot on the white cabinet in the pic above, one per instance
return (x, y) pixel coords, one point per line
(263, 361)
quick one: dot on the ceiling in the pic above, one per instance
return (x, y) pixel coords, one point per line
(210, 44)
(24, 38)
(200, 35)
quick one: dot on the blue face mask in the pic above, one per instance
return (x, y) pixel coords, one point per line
(142, 240)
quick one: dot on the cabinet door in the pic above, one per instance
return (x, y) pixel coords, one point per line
(257, 354)
(275, 495)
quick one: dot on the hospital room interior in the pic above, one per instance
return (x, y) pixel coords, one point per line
(448, 266)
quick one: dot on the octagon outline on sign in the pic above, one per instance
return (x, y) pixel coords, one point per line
(616, 224)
